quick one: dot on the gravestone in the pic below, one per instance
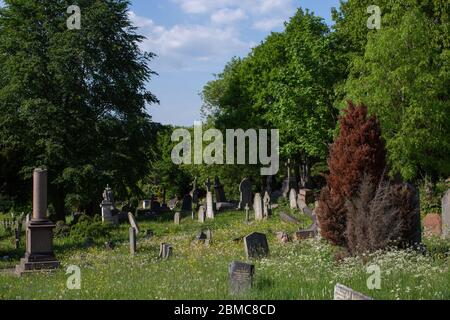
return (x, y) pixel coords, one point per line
(187, 203)
(266, 205)
(432, 225)
(220, 193)
(283, 237)
(446, 215)
(165, 251)
(258, 207)
(288, 219)
(342, 292)
(300, 202)
(241, 277)
(209, 205)
(173, 203)
(306, 195)
(108, 206)
(146, 204)
(245, 189)
(293, 199)
(132, 232)
(290, 181)
(133, 222)
(176, 218)
(39, 253)
(204, 237)
(256, 245)
(304, 234)
(201, 214)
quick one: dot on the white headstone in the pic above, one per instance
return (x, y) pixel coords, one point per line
(201, 214)
(209, 205)
(342, 292)
(133, 222)
(258, 207)
(293, 199)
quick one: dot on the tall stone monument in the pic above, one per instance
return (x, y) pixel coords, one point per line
(446, 215)
(39, 253)
(107, 206)
(209, 201)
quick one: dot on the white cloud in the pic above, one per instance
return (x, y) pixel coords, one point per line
(192, 47)
(228, 16)
(268, 24)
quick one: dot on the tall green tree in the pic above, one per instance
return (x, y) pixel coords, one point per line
(74, 100)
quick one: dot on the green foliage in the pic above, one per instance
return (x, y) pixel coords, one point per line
(88, 227)
(73, 100)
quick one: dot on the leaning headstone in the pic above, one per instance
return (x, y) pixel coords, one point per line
(293, 199)
(245, 189)
(342, 292)
(133, 222)
(176, 218)
(241, 277)
(201, 214)
(446, 215)
(165, 251)
(256, 245)
(288, 219)
(209, 205)
(258, 207)
(132, 232)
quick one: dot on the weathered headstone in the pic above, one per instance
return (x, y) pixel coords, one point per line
(201, 214)
(288, 219)
(187, 203)
(432, 225)
(293, 199)
(266, 205)
(241, 277)
(446, 215)
(306, 195)
(209, 205)
(108, 206)
(132, 232)
(133, 222)
(220, 193)
(146, 204)
(256, 245)
(177, 218)
(165, 251)
(245, 189)
(258, 207)
(283, 237)
(39, 236)
(342, 292)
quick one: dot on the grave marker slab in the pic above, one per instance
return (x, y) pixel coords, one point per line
(245, 189)
(132, 233)
(176, 218)
(288, 219)
(165, 251)
(293, 199)
(241, 277)
(201, 214)
(342, 292)
(256, 245)
(209, 205)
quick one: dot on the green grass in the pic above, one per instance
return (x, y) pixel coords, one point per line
(305, 270)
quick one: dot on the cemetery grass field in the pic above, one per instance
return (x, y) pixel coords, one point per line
(306, 270)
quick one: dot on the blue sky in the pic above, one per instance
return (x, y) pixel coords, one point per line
(194, 39)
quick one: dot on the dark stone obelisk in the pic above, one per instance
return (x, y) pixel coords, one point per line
(39, 236)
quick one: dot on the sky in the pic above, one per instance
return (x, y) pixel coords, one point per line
(194, 39)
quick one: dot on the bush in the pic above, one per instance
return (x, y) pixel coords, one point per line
(382, 216)
(358, 150)
(88, 227)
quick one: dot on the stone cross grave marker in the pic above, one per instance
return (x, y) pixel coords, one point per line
(446, 215)
(256, 245)
(342, 292)
(258, 207)
(241, 277)
(133, 222)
